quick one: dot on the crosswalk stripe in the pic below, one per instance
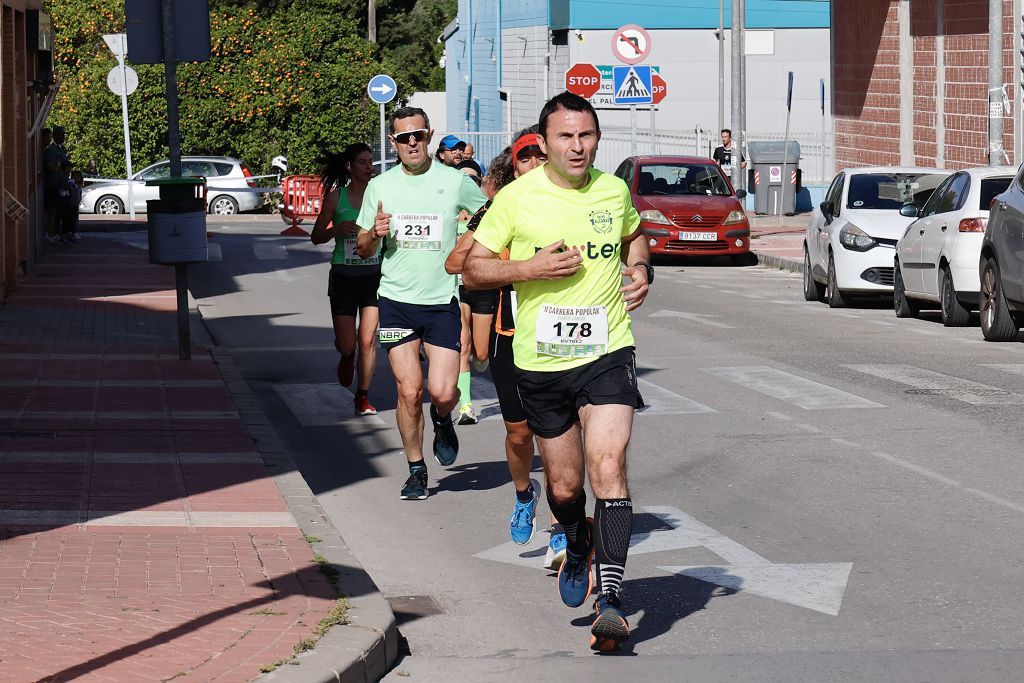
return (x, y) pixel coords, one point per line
(1012, 368)
(661, 401)
(931, 383)
(269, 252)
(792, 389)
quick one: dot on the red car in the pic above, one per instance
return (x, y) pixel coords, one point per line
(687, 207)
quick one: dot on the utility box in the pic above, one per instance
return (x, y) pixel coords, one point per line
(771, 161)
(177, 221)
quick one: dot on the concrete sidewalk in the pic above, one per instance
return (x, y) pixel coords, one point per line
(779, 246)
(151, 525)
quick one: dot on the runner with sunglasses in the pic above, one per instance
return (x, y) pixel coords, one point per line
(413, 209)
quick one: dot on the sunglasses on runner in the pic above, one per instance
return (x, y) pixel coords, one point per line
(411, 136)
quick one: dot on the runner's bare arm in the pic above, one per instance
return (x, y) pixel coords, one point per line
(484, 271)
(635, 252)
(456, 260)
(366, 242)
(323, 231)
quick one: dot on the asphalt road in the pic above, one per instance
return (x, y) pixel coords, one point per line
(821, 494)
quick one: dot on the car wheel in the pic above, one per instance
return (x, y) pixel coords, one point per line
(996, 322)
(813, 291)
(109, 205)
(835, 298)
(223, 206)
(904, 307)
(953, 312)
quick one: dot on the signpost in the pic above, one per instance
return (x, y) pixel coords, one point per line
(123, 80)
(633, 84)
(382, 89)
(631, 44)
(785, 146)
(822, 83)
(583, 80)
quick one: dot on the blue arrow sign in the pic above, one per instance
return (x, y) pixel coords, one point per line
(632, 84)
(381, 89)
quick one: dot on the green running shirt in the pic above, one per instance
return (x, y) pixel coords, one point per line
(345, 245)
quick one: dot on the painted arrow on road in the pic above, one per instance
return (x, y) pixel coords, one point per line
(818, 587)
(701, 318)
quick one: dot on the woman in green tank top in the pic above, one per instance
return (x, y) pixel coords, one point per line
(353, 281)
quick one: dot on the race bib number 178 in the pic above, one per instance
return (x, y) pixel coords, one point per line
(421, 231)
(572, 331)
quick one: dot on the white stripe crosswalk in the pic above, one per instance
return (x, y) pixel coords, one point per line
(928, 382)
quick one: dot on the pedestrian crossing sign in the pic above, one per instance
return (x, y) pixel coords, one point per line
(632, 84)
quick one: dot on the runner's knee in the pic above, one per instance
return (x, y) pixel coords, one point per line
(519, 436)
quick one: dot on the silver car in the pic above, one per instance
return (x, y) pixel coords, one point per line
(228, 182)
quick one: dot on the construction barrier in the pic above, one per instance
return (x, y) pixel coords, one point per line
(301, 197)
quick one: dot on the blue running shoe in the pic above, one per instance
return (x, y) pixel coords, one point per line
(610, 628)
(523, 522)
(574, 579)
(555, 555)
(446, 442)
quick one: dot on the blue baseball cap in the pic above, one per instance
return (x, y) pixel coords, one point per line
(451, 142)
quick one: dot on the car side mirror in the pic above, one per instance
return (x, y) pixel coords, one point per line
(741, 194)
(910, 211)
(826, 211)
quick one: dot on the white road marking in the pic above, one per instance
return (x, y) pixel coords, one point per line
(322, 405)
(778, 416)
(661, 401)
(798, 391)
(1012, 368)
(214, 252)
(703, 319)
(266, 251)
(935, 383)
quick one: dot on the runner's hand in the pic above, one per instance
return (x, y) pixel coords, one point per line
(382, 224)
(348, 228)
(551, 264)
(636, 291)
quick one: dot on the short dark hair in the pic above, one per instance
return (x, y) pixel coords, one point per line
(727, 130)
(408, 113)
(470, 164)
(565, 100)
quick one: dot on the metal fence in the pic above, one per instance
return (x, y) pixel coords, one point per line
(486, 146)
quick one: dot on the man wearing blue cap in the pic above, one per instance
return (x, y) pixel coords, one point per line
(449, 152)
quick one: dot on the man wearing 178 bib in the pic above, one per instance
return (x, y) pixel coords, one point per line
(570, 228)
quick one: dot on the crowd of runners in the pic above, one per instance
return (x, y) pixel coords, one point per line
(528, 269)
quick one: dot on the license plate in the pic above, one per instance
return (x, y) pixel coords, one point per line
(698, 236)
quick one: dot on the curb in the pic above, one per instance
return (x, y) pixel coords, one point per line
(367, 647)
(772, 261)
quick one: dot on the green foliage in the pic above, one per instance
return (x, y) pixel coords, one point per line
(284, 77)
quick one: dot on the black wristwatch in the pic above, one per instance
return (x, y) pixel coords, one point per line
(650, 270)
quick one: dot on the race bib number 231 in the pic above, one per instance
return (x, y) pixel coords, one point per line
(572, 331)
(421, 231)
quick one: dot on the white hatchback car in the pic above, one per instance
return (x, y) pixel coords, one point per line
(851, 238)
(937, 257)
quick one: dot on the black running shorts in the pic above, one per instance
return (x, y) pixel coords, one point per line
(439, 325)
(482, 301)
(349, 293)
(552, 400)
(503, 372)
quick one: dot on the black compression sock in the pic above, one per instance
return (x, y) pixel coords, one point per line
(417, 466)
(525, 496)
(613, 527)
(573, 518)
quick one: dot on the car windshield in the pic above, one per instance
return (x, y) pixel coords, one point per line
(891, 190)
(679, 179)
(990, 187)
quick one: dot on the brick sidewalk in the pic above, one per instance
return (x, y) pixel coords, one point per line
(779, 246)
(141, 537)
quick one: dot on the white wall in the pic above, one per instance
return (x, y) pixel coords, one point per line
(436, 106)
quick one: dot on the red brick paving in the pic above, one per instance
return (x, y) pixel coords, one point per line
(85, 600)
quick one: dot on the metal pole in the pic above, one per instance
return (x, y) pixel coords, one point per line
(996, 154)
(124, 118)
(735, 92)
(785, 147)
(632, 129)
(383, 139)
(721, 64)
(654, 132)
(743, 92)
(174, 143)
(823, 131)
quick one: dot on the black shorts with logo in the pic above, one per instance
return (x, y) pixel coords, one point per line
(438, 325)
(482, 301)
(552, 400)
(349, 293)
(503, 373)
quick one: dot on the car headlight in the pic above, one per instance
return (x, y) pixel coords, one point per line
(735, 217)
(855, 239)
(654, 216)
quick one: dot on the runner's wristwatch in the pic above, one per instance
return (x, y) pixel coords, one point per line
(650, 270)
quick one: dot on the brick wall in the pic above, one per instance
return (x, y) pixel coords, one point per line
(866, 73)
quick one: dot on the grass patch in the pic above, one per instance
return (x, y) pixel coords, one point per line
(338, 616)
(311, 539)
(327, 569)
(267, 612)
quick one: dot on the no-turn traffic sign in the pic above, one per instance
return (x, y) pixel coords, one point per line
(583, 80)
(631, 44)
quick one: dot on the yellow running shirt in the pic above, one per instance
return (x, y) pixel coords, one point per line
(563, 324)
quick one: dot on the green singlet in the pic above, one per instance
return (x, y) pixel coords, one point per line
(345, 245)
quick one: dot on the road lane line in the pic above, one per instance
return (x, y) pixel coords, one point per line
(797, 391)
(926, 382)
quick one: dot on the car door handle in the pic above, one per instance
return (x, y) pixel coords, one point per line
(1002, 205)
(921, 231)
(944, 228)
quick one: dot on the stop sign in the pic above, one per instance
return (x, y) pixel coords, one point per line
(659, 88)
(583, 80)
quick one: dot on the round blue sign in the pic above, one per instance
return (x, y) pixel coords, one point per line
(381, 89)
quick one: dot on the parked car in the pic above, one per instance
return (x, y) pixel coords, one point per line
(220, 172)
(1002, 265)
(937, 257)
(850, 240)
(687, 207)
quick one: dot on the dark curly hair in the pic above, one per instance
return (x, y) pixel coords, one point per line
(334, 165)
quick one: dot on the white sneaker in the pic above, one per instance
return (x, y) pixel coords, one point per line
(555, 555)
(467, 416)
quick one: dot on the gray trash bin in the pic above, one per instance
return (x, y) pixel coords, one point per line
(769, 185)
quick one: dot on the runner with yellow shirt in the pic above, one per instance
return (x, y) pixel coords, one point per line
(570, 228)
(412, 209)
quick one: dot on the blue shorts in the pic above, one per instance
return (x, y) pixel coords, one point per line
(438, 325)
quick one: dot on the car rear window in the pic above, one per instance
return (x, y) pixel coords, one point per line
(222, 169)
(681, 179)
(891, 190)
(990, 187)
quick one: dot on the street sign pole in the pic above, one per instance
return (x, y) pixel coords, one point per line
(117, 42)
(785, 148)
(383, 139)
(822, 130)
(654, 133)
(382, 89)
(632, 129)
